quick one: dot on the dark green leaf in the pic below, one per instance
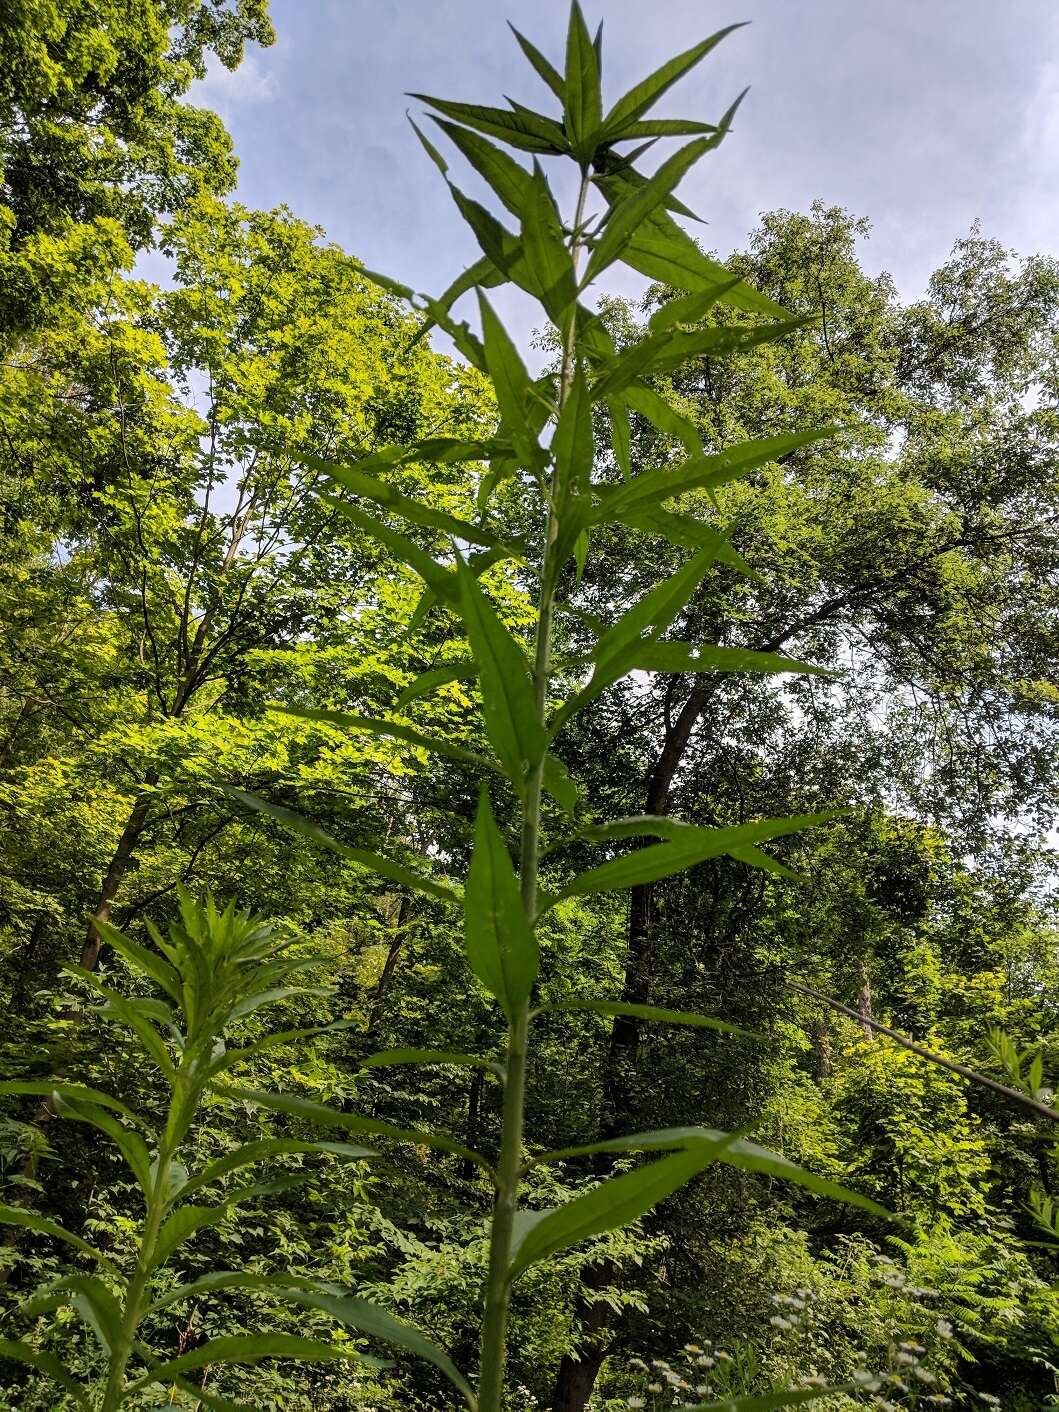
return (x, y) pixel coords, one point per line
(656, 610)
(140, 958)
(559, 785)
(264, 1150)
(30, 1221)
(615, 1202)
(387, 1057)
(649, 1012)
(503, 174)
(386, 867)
(20, 1352)
(659, 413)
(547, 71)
(394, 729)
(661, 860)
(582, 98)
(500, 944)
(91, 1299)
(649, 488)
(431, 151)
(521, 129)
(666, 127)
(546, 253)
(466, 669)
(620, 435)
(645, 94)
(690, 533)
(440, 581)
(689, 308)
(324, 1116)
(508, 705)
(250, 1348)
(628, 215)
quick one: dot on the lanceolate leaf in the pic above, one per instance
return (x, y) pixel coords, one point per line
(547, 71)
(510, 181)
(386, 1057)
(524, 130)
(582, 98)
(396, 730)
(546, 252)
(647, 489)
(656, 610)
(649, 1012)
(86, 1294)
(30, 1221)
(511, 383)
(615, 1202)
(264, 1150)
(628, 214)
(501, 947)
(386, 867)
(645, 94)
(465, 669)
(661, 860)
(250, 1349)
(412, 510)
(688, 657)
(324, 1116)
(508, 705)
(46, 1363)
(659, 413)
(439, 580)
(691, 533)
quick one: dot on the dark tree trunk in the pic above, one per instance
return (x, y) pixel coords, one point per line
(382, 985)
(119, 864)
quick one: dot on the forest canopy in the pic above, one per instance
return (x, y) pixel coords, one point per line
(520, 886)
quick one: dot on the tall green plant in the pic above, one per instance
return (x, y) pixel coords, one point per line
(545, 441)
(212, 970)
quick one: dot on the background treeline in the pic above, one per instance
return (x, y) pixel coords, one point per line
(168, 570)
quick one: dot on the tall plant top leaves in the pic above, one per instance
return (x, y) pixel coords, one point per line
(657, 1013)
(662, 860)
(614, 1203)
(582, 96)
(508, 705)
(544, 67)
(501, 947)
(526, 131)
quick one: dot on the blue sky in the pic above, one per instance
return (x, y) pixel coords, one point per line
(922, 115)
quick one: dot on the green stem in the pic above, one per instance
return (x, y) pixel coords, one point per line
(498, 1287)
(120, 1354)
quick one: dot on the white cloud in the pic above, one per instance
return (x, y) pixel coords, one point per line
(226, 89)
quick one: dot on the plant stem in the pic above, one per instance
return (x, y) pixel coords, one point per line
(505, 1208)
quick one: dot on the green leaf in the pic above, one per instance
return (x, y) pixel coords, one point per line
(508, 180)
(129, 1143)
(130, 1013)
(689, 533)
(582, 98)
(620, 435)
(530, 132)
(573, 449)
(689, 657)
(386, 1057)
(412, 510)
(392, 286)
(146, 962)
(664, 252)
(440, 581)
(661, 860)
(758, 858)
(91, 1299)
(395, 729)
(645, 94)
(546, 252)
(465, 669)
(251, 1349)
(30, 1221)
(628, 215)
(370, 1319)
(690, 308)
(751, 1158)
(667, 419)
(655, 611)
(559, 785)
(375, 862)
(511, 383)
(545, 69)
(265, 1149)
(649, 1012)
(325, 1116)
(666, 127)
(185, 1221)
(651, 487)
(615, 1202)
(431, 151)
(500, 944)
(239, 1054)
(508, 706)
(19, 1352)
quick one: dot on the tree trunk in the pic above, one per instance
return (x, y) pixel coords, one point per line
(864, 1004)
(116, 869)
(382, 985)
(821, 1050)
